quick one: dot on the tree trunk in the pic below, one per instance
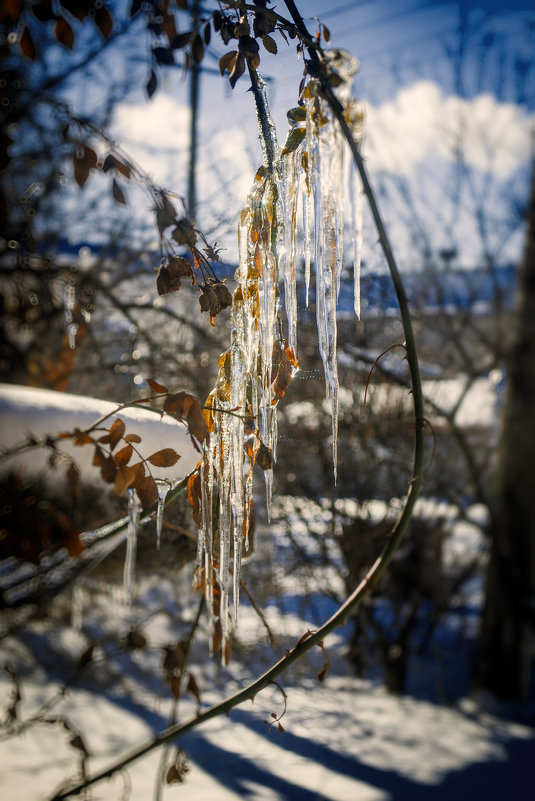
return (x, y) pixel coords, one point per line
(506, 647)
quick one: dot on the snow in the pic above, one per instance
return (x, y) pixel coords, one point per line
(344, 739)
(26, 411)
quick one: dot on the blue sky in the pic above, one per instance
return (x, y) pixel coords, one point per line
(418, 93)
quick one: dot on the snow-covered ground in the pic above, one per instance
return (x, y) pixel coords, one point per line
(344, 739)
(25, 412)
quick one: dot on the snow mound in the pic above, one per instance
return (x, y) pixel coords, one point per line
(25, 411)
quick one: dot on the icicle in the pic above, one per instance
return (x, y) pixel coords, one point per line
(321, 150)
(163, 487)
(307, 234)
(289, 193)
(268, 138)
(69, 302)
(131, 547)
(356, 226)
(247, 385)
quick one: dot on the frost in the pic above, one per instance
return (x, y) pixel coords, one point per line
(306, 182)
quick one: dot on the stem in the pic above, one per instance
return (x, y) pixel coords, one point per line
(264, 120)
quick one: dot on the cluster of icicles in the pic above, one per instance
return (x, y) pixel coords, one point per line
(311, 180)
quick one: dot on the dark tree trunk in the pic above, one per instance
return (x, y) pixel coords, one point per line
(507, 633)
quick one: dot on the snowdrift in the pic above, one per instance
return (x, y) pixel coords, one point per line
(25, 412)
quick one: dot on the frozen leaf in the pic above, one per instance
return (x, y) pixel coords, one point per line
(124, 455)
(117, 192)
(215, 297)
(113, 163)
(84, 160)
(282, 370)
(323, 672)
(179, 267)
(270, 44)
(187, 407)
(164, 55)
(147, 492)
(165, 213)
(103, 21)
(64, 33)
(116, 432)
(98, 457)
(139, 467)
(207, 33)
(264, 457)
(108, 468)
(179, 769)
(27, 45)
(158, 388)
(184, 233)
(133, 438)
(152, 84)
(296, 114)
(86, 656)
(237, 70)
(227, 61)
(125, 477)
(181, 40)
(78, 437)
(293, 140)
(194, 496)
(136, 640)
(326, 33)
(166, 282)
(262, 25)
(166, 457)
(248, 46)
(193, 688)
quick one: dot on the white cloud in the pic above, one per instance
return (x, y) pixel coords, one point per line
(156, 135)
(420, 123)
